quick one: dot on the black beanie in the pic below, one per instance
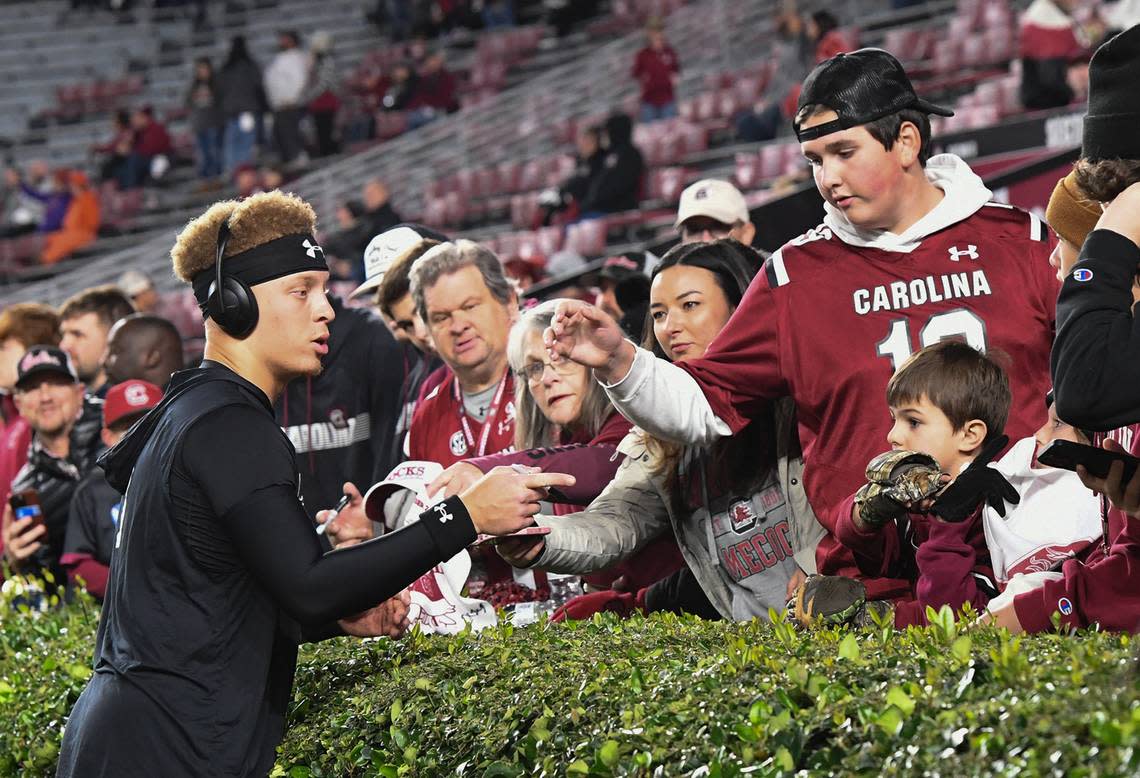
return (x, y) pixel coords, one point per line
(1112, 124)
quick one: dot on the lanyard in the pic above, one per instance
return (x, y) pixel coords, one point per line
(492, 412)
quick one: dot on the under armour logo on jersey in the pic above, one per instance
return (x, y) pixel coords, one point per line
(312, 249)
(956, 254)
(444, 514)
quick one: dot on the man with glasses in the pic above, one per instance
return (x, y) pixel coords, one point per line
(712, 209)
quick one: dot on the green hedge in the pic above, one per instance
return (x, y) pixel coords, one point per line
(659, 696)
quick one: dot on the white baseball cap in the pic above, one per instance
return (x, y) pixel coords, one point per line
(712, 198)
(383, 250)
(413, 475)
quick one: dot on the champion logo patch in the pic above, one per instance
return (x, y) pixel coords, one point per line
(1065, 606)
(1082, 274)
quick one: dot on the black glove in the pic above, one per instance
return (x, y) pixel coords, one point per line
(978, 483)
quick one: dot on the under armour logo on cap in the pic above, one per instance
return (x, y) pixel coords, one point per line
(312, 249)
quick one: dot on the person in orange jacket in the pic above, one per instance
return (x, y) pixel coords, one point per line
(80, 223)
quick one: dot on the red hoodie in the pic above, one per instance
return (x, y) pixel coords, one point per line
(1101, 588)
(933, 563)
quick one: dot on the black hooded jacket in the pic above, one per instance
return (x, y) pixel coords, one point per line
(618, 185)
(342, 423)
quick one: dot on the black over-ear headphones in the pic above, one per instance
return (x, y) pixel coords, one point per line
(230, 302)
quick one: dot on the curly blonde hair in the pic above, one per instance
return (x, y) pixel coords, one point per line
(253, 221)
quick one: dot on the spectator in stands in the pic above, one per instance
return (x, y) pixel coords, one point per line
(143, 347)
(151, 141)
(712, 209)
(80, 223)
(618, 186)
(247, 180)
(657, 70)
(54, 197)
(401, 88)
(1072, 215)
(93, 516)
(242, 101)
(1052, 46)
(379, 215)
(460, 292)
(795, 336)
(795, 55)
(1095, 356)
(588, 166)
(743, 537)
(22, 213)
(286, 78)
(50, 396)
(85, 320)
(206, 118)
(623, 279)
(139, 287)
(22, 326)
(117, 148)
(321, 94)
(347, 244)
(434, 93)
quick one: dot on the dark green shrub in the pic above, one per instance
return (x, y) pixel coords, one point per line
(659, 696)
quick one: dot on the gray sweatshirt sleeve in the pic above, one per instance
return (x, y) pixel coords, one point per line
(666, 401)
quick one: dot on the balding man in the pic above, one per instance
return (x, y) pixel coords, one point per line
(143, 347)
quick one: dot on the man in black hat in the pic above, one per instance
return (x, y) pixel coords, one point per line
(217, 575)
(911, 251)
(49, 395)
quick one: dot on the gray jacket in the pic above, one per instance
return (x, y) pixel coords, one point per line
(635, 508)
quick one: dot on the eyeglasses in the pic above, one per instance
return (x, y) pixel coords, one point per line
(533, 371)
(698, 226)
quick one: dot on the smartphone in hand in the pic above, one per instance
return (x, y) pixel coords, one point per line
(26, 507)
(1067, 455)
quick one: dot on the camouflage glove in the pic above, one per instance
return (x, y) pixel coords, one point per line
(833, 600)
(896, 479)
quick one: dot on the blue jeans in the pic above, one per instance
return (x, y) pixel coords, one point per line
(237, 145)
(651, 113)
(209, 152)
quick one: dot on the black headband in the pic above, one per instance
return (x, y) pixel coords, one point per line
(279, 257)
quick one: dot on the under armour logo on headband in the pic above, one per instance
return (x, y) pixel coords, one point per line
(312, 249)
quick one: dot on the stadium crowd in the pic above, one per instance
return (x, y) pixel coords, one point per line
(703, 432)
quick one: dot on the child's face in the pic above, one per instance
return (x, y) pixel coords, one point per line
(1056, 429)
(923, 427)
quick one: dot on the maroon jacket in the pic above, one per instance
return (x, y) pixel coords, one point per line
(933, 563)
(593, 464)
(1099, 588)
(152, 140)
(654, 70)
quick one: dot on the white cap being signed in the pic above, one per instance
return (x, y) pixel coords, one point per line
(383, 250)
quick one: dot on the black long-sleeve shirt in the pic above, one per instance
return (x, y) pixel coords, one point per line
(216, 576)
(1096, 354)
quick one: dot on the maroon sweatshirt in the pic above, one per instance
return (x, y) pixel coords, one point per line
(593, 464)
(654, 70)
(932, 562)
(1099, 588)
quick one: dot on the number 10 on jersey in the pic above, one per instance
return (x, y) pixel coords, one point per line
(958, 324)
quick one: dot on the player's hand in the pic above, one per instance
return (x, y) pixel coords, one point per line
(22, 539)
(504, 500)
(1120, 215)
(455, 479)
(351, 525)
(589, 336)
(521, 552)
(1123, 496)
(388, 619)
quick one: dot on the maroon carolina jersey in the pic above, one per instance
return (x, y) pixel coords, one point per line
(442, 432)
(827, 323)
